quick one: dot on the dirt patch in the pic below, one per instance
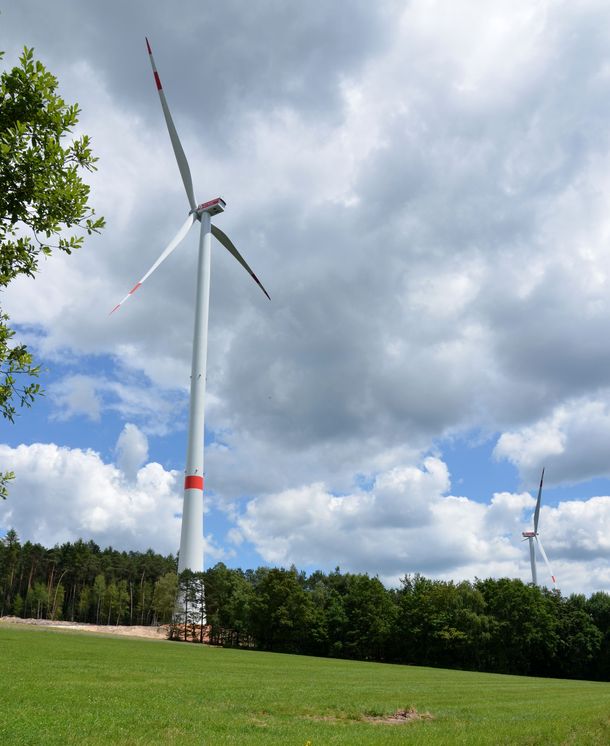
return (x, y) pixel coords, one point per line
(400, 717)
(151, 633)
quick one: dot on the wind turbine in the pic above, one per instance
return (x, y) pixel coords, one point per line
(191, 537)
(532, 536)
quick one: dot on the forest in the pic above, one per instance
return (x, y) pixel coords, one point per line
(495, 625)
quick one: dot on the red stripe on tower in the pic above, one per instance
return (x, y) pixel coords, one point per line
(193, 483)
(157, 80)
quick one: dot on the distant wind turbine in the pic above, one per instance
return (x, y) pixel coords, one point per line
(532, 536)
(191, 538)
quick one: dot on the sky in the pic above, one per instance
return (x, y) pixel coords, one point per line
(423, 189)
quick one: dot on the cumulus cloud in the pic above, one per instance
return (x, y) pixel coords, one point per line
(405, 523)
(419, 240)
(408, 523)
(131, 450)
(159, 410)
(428, 208)
(61, 494)
(572, 442)
(76, 395)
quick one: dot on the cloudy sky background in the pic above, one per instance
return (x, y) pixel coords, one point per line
(423, 188)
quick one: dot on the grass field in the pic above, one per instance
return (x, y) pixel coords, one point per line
(62, 687)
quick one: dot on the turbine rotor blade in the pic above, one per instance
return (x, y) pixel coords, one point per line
(166, 252)
(228, 244)
(546, 559)
(537, 511)
(183, 165)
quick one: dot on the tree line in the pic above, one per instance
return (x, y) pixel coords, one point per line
(81, 582)
(496, 625)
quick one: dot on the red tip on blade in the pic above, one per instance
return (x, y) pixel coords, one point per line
(158, 80)
(148, 45)
(114, 309)
(554, 581)
(134, 288)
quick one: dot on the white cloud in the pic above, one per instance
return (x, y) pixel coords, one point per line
(131, 450)
(404, 523)
(578, 529)
(76, 395)
(428, 208)
(158, 410)
(407, 524)
(61, 494)
(420, 241)
(572, 442)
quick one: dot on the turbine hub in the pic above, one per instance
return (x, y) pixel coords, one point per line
(213, 207)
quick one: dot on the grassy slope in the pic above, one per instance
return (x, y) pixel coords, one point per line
(60, 687)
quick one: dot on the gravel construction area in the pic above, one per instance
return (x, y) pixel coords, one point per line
(152, 633)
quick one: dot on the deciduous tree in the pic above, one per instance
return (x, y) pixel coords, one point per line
(43, 203)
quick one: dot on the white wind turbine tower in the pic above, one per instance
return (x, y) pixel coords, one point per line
(191, 538)
(532, 536)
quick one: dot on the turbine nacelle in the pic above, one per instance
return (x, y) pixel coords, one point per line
(528, 534)
(213, 207)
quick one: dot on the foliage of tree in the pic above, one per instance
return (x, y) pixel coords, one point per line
(229, 596)
(442, 623)
(189, 616)
(43, 203)
(496, 625)
(164, 597)
(598, 609)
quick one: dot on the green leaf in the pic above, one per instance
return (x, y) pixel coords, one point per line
(43, 202)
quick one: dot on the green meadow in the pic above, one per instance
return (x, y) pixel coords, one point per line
(66, 687)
